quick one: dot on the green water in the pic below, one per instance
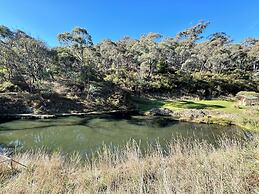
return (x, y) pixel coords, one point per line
(84, 135)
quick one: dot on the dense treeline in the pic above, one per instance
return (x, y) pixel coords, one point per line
(185, 64)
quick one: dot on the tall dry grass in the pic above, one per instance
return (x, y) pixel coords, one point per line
(187, 167)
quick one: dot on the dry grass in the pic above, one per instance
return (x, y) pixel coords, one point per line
(186, 168)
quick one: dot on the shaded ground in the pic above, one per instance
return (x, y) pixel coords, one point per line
(54, 103)
(63, 96)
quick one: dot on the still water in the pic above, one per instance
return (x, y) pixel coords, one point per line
(86, 134)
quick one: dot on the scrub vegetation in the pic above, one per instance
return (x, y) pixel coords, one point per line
(93, 76)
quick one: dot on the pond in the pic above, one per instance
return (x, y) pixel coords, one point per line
(87, 134)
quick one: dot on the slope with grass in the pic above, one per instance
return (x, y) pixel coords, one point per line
(208, 111)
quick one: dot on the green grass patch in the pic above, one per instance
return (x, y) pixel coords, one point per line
(200, 104)
(226, 106)
(235, 114)
(144, 104)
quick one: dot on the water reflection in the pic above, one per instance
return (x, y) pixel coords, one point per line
(87, 134)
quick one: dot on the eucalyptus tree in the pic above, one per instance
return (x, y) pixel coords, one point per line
(24, 58)
(117, 61)
(239, 60)
(168, 55)
(130, 63)
(10, 60)
(7, 54)
(148, 53)
(149, 62)
(187, 40)
(78, 46)
(35, 57)
(217, 52)
(110, 56)
(77, 41)
(252, 49)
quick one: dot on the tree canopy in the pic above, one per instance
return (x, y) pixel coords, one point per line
(187, 62)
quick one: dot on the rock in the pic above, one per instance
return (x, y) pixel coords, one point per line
(159, 112)
(193, 114)
(247, 98)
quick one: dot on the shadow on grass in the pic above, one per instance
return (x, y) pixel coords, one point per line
(193, 105)
(144, 104)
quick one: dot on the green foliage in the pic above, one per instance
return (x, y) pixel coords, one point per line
(162, 67)
(3, 70)
(186, 64)
(7, 86)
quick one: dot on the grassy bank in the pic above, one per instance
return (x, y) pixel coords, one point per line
(186, 168)
(217, 111)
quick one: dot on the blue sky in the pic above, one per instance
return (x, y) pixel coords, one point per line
(115, 19)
